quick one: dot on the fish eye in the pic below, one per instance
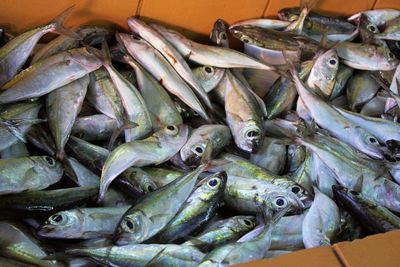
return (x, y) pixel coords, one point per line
(195, 113)
(332, 61)
(295, 189)
(371, 28)
(150, 188)
(252, 134)
(281, 202)
(391, 55)
(372, 140)
(129, 225)
(50, 161)
(208, 69)
(198, 150)
(171, 129)
(247, 222)
(79, 135)
(354, 192)
(245, 40)
(56, 219)
(135, 37)
(213, 183)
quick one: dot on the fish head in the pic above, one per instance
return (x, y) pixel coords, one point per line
(302, 194)
(212, 186)
(48, 166)
(249, 136)
(133, 43)
(218, 33)
(280, 199)
(135, 24)
(132, 229)
(368, 144)
(367, 29)
(63, 224)
(390, 62)
(289, 14)
(246, 34)
(193, 150)
(173, 135)
(85, 57)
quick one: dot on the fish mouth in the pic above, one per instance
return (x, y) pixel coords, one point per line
(306, 201)
(44, 231)
(375, 153)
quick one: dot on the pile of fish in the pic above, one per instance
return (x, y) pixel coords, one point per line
(145, 148)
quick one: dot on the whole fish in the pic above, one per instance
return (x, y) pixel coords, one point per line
(243, 115)
(28, 174)
(146, 218)
(222, 232)
(209, 55)
(31, 204)
(14, 54)
(63, 106)
(156, 149)
(159, 67)
(371, 215)
(321, 223)
(160, 105)
(218, 135)
(97, 127)
(170, 54)
(197, 210)
(141, 255)
(21, 111)
(82, 223)
(55, 72)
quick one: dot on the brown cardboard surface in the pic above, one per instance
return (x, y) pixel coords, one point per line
(316, 257)
(387, 4)
(376, 250)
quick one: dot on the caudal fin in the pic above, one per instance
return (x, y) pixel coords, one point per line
(60, 29)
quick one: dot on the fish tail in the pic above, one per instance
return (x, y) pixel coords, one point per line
(60, 29)
(103, 54)
(118, 131)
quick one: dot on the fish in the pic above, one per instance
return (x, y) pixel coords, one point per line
(159, 67)
(28, 174)
(264, 23)
(88, 34)
(331, 120)
(96, 127)
(160, 105)
(270, 156)
(63, 106)
(169, 52)
(82, 223)
(321, 223)
(361, 87)
(15, 53)
(15, 151)
(222, 232)
(246, 122)
(378, 17)
(197, 210)
(49, 74)
(145, 219)
(39, 203)
(20, 111)
(141, 255)
(221, 57)
(156, 149)
(218, 135)
(219, 33)
(371, 215)
(19, 245)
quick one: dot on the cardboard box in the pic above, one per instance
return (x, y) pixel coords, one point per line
(195, 19)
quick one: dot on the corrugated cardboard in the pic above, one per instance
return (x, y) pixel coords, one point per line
(195, 19)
